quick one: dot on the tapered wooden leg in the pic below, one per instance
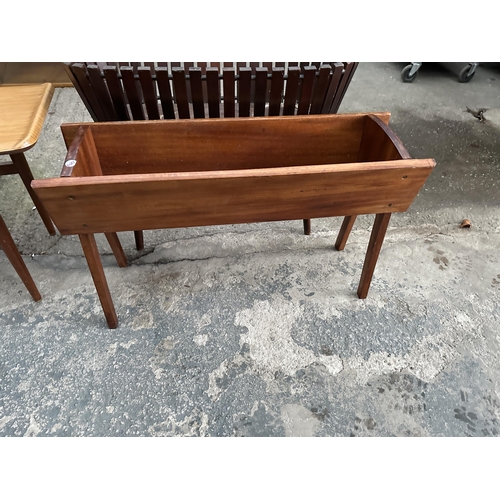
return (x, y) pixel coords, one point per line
(139, 240)
(345, 231)
(307, 226)
(9, 247)
(95, 265)
(374, 246)
(19, 161)
(116, 246)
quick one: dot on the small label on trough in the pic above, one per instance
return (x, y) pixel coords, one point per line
(70, 163)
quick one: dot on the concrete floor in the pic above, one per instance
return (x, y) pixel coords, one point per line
(255, 330)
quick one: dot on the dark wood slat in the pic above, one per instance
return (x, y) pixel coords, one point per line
(244, 91)
(166, 100)
(293, 64)
(240, 65)
(79, 72)
(317, 64)
(188, 65)
(320, 89)
(213, 92)
(268, 66)
(197, 92)
(349, 70)
(228, 85)
(260, 91)
(116, 92)
(151, 66)
(203, 66)
(149, 92)
(337, 70)
(292, 90)
(280, 64)
(309, 73)
(254, 66)
(131, 91)
(276, 91)
(101, 92)
(180, 90)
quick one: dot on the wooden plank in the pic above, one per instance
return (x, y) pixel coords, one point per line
(12, 253)
(228, 88)
(167, 103)
(181, 93)
(306, 89)
(213, 92)
(244, 91)
(149, 92)
(248, 142)
(101, 92)
(337, 70)
(240, 65)
(79, 72)
(379, 142)
(116, 92)
(349, 70)
(292, 90)
(277, 80)
(131, 92)
(260, 91)
(320, 89)
(114, 203)
(197, 92)
(82, 158)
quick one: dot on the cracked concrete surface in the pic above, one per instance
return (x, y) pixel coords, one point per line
(255, 330)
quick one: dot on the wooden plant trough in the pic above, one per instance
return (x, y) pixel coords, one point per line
(128, 176)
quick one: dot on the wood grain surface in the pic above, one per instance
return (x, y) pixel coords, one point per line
(22, 112)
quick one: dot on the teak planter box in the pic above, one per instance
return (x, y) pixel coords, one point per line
(178, 173)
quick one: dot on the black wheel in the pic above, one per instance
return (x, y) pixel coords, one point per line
(464, 77)
(405, 74)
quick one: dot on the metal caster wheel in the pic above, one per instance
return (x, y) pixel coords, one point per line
(467, 73)
(409, 73)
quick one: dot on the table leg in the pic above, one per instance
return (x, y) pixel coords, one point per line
(374, 246)
(307, 226)
(19, 161)
(95, 265)
(9, 247)
(345, 231)
(139, 240)
(116, 246)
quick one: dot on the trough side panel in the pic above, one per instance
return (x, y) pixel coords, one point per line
(110, 204)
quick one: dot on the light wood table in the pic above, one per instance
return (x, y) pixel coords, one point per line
(22, 112)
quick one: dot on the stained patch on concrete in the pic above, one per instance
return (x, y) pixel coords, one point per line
(299, 421)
